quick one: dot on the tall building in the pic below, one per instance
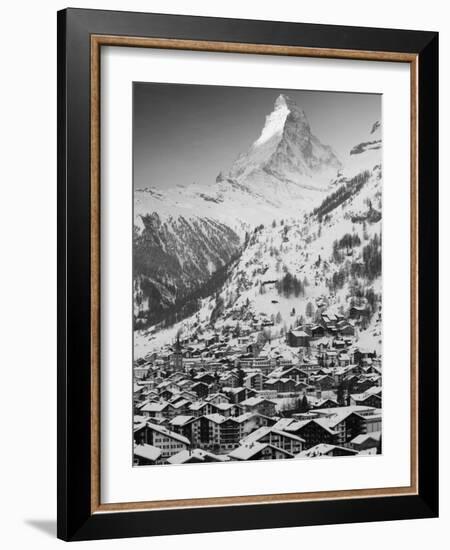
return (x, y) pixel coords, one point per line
(177, 356)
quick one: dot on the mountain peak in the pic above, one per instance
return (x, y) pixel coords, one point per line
(286, 152)
(281, 101)
(274, 123)
(287, 102)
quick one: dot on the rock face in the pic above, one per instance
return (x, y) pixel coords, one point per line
(174, 258)
(287, 160)
(373, 143)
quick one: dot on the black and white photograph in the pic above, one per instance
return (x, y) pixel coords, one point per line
(257, 274)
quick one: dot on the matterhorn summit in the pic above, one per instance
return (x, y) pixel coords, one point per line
(287, 159)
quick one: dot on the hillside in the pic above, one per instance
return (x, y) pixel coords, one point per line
(185, 237)
(292, 268)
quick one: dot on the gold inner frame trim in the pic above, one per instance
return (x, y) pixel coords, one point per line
(97, 41)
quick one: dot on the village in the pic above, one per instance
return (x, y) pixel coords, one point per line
(231, 393)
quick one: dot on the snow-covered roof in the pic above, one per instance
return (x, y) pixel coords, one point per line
(198, 405)
(181, 420)
(246, 452)
(180, 403)
(299, 333)
(253, 401)
(168, 433)
(153, 407)
(299, 424)
(216, 418)
(362, 438)
(199, 454)
(364, 396)
(148, 452)
(224, 406)
(323, 449)
(283, 423)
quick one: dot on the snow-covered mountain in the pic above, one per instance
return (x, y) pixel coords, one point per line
(174, 258)
(287, 158)
(286, 169)
(190, 240)
(290, 268)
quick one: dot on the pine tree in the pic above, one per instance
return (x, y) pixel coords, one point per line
(309, 310)
(304, 407)
(240, 374)
(340, 394)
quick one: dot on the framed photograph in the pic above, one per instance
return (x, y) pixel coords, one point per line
(248, 301)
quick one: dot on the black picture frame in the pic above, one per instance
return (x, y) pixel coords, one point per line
(76, 521)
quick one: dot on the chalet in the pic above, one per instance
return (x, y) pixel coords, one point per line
(239, 394)
(182, 425)
(228, 409)
(259, 405)
(346, 422)
(324, 449)
(278, 438)
(201, 389)
(144, 454)
(339, 344)
(170, 385)
(358, 312)
(343, 359)
(255, 381)
(364, 384)
(217, 398)
(263, 363)
(215, 432)
(230, 379)
(309, 366)
(298, 338)
(361, 355)
(154, 410)
(195, 456)
(316, 331)
(169, 442)
(372, 421)
(249, 422)
(204, 377)
(179, 407)
(280, 385)
(166, 394)
(324, 404)
(313, 432)
(345, 328)
(328, 318)
(324, 382)
(364, 442)
(301, 387)
(329, 358)
(141, 372)
(200, 408)
(366, 399)
(295, 373)
(259, 451)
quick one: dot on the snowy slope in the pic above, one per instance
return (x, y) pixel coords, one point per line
(304, 247)
(184, 235)
(287, 169)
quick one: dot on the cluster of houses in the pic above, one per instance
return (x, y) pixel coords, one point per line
(225, 396)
